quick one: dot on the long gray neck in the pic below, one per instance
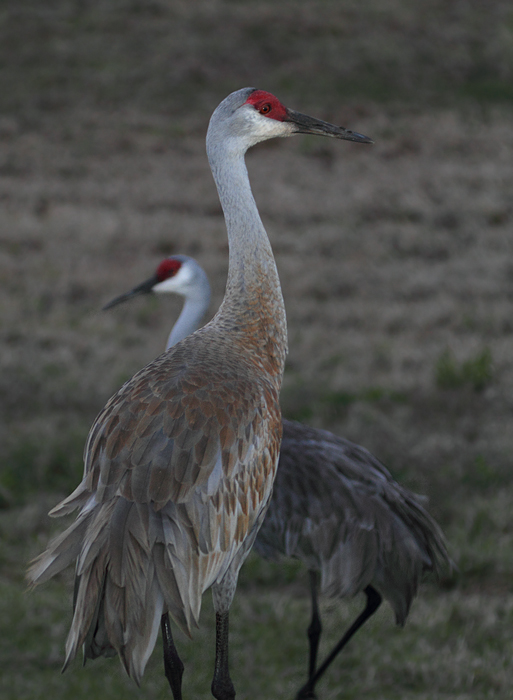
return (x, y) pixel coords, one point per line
(253, 304)
(193, 311)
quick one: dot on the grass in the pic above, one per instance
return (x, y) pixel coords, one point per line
(453, 646)
(306, 402)
(29, 467)
(476, 372)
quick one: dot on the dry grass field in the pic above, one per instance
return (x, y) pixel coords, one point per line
(396, 263)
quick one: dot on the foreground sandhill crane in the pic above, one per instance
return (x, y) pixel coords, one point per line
(334, 505)
(180, 463)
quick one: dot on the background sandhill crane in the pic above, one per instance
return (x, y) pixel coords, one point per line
(334, 505)
(180, 463)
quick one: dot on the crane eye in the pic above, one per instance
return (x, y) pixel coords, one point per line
(265, 109)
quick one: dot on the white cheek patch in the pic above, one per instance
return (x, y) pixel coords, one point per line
(176, 283)
(261, 127)
(275, 128)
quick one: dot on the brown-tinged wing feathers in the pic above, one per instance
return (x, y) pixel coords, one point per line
(160, 436)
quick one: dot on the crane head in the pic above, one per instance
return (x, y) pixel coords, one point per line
(178, 273)
(249, 116)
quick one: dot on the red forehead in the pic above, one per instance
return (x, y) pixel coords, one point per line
(259, 98)
(168, 268)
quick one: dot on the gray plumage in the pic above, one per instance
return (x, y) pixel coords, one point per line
(338, 509)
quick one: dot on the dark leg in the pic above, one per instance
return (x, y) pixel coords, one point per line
(173, 666)
(373, 602)
(222, 686)
(315, 629)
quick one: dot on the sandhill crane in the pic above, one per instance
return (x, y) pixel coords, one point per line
(180, 463)
(334, 505)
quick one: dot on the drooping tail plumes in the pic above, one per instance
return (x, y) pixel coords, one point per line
(126, 578)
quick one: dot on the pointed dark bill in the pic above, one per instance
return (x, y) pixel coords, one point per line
(144, 288)
(309, 125)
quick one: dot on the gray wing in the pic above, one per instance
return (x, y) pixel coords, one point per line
(338, 509)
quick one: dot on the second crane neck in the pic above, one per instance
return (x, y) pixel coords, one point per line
(194, 309)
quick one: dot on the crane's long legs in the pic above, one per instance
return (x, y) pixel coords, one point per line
(173, 666)
(222, 686)
(315, 628)
(373, 602)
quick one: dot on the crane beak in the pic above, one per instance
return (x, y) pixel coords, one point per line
(309, 125)
(144, 288)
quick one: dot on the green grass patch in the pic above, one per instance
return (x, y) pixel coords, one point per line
(34, 465)
(476, 372)
(481, 474)
(447, 634)
(303, 401)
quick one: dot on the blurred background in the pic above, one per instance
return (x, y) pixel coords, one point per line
(397, 270)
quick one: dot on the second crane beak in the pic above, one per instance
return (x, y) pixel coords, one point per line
(309, 125)
(144, 288)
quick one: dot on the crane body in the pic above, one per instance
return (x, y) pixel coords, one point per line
(180, 463)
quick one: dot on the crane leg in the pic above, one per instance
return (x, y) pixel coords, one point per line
(222, 686)
(173, 666)
(315, 628)
(373, 602)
